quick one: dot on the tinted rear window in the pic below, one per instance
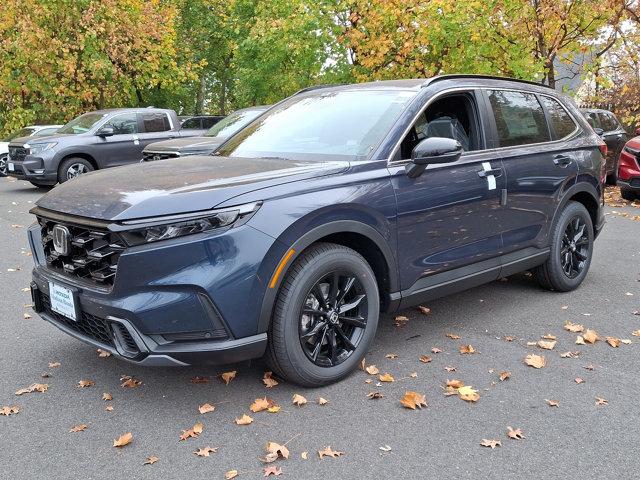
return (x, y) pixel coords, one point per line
(191, 123)
(154, 122)
(519, 118)
(561, 122)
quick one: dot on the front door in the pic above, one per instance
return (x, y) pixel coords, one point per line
(448, 218)
(124, 145)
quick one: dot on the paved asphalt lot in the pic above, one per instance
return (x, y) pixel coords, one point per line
(577, 438)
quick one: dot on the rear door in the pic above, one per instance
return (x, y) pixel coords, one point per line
(448, 217)
(154, 127)
(532, 135)
(121, 147)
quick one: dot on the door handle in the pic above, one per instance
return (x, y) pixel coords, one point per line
(562, 160)
(496, 172)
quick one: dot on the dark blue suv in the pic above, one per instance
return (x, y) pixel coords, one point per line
(335, 204)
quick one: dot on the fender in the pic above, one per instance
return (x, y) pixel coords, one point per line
(340, 226)
(581, 187)
(74, 151)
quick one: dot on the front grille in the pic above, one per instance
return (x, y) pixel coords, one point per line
(17, 154)
(92, 253)
(152, 156)
(87, 325)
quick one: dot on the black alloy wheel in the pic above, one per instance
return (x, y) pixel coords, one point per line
(333, 319)
(575, 247)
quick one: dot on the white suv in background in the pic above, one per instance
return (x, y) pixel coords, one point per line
(31, 131)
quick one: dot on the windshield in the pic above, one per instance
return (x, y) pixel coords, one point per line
(232, 123)
(82, 124)
(347, 123)
(25, 132)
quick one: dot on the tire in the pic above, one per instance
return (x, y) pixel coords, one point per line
(73, 167)
(628, 195)
(3, 165)
(286, 355)
(41, 185)
(552, 274)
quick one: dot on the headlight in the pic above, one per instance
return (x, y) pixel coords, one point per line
(150, 230)
(39, 147)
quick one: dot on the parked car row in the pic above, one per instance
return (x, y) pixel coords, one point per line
(333, 205)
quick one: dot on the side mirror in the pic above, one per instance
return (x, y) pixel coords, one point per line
(638, 131)
(599, 131)
(433, 150)
(106, 131)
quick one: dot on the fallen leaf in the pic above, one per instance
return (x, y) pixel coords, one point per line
(328, 452)
(273, 409)
(322, 401)
(580, 340)
(386, 377)
(279, 450)
(427, 358)
(26, 316)
(614, 342)
(228, 376)
(515, 434)
(193, 432)
(579, 380)
(569, 354)
(103, 353)
(490, 443)
(412, 400)
(372, 370)
(45, 375)
(78, 428)
(197, 380)
(206, 451)
(304, 455)
(298, 400)
(413, 374)
(601, 401)
(231, 474)
(509, 338)
(468, 394)
(629, 294)
(590, 336)
(564, 307)
(244, 420)
(589, 367)
(505, 376)
(54, 365)
(400, 320)
(36, 387)
(385, 448)
(547, 345)
(453, 336)
(424, 310)
(535, 361)
(548, 336)
(375, 395)
(435, 350)
(109, 408)
(107, 397)
(467, 349)
(123, 440)
(391, 356)
(129, 382)
(151, 460)
(206, 408)
(9, 410)
(85, 384)
(449, 368)
(272, 470)
(259, 404)
(573, 327)
(268, 380)
(455, 383)
(553, 403)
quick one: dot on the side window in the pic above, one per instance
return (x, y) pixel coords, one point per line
(154, 122)
(593, 119)
(562, 124)
(453, 116)
(191, 123)
(609, 123)
(519, 118)
(209, 122)
(124, 124)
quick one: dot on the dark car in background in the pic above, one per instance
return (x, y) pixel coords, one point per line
(335, 204)
(613, 133)
(206, 144)
(200, 122)
(629, 170)
(92, 141)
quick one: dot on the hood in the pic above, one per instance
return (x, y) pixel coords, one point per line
(18, 142)
(175, 186)
(634, 143)
(184, 144)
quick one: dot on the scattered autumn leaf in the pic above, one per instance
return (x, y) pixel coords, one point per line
(636, 333)
(54, 364)
(206, 408)
(467, 349)
(375, 395)
(129, 382)
(26, 316)
(193, 432)
(453, 336)
(590, 336)
(424, 310)
(36, 387)
(490, 443)
(579, 380)
(78, 428)
(9, 410)
(277, 449)
(391, 356)
(206, 451)
(509, 338)
(231, 474)
(547, 344)
(151, 460)
(272, 470)
(107, 397)
(109, 408)
(580, 340)
(449, 368)
(298, 400)
(553, 403)
(505, 376)
(614, 342)
(386, 377)
(304, 455)
(400, 320)
(468, 394)
(535, 361)
(228, 376)
(548, 336)
(322, 401)
(425, 358)
(372, 370)
(259, 404)
(435, 350)
(273, 409)
(85, 384)
(268, 380)
(569, 354)
(244, 420)
(515, 434)
(412, 400)
(103, 353)
(601, 401)
(123, 440)
(328, 452)
(573, 327)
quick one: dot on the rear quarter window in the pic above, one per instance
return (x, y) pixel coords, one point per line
(562, 125)
(608, 121)
(519, 118)
(154, 122)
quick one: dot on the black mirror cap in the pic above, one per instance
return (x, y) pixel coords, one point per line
(433, 150)
(105, 131)
(599, 131)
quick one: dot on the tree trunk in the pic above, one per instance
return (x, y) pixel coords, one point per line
(551, 73)
(200, 98)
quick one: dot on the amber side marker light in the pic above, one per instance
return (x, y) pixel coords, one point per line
(281, 266)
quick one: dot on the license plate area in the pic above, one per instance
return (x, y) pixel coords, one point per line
(63, 301)
(11, 167)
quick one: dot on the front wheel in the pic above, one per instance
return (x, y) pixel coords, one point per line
(3, 165)
(72, 168)
(325, 316)
(628, 195)
(571, 250)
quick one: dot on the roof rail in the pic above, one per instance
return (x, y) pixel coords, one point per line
(438, 78)
(316, 87)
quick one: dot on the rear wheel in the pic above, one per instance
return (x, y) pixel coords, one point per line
(571, 250)
(325, 317)
(628, 195)
(72, 168)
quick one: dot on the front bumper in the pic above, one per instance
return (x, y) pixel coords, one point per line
(32, 168)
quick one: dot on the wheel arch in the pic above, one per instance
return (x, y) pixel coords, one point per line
(362, 238)
(587, 195)
(83, 155)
